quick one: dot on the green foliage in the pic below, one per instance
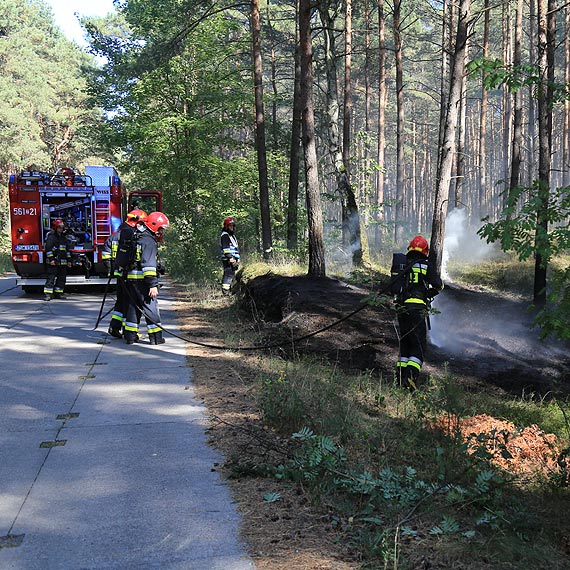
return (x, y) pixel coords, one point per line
(5, 261)
(554, 319)
(46, 119)
(515, 77)
(518, 231)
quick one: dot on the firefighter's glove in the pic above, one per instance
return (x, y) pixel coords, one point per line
(432, 292)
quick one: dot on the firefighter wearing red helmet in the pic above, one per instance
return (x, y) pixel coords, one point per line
(230, 253)
(58, 259)
(421, 283)
(142, 283)
(124, 235)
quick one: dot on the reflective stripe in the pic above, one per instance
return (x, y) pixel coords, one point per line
(153, 329)
(415, 362)
(415, 300)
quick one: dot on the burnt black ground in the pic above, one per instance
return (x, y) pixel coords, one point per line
(481, 337)
(492, 338)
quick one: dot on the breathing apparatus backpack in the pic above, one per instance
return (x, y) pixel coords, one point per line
(399, 264)
(126, 250)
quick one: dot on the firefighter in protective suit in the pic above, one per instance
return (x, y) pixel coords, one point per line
(58, 259)
(142, 283)
(108, 256)
(421, 284)
(229, 249)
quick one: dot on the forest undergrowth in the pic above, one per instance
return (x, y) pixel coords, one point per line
(358, 472)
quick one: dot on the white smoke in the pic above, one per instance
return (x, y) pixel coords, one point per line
(462, 243)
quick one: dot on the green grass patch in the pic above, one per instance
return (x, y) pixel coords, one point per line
(5, 262)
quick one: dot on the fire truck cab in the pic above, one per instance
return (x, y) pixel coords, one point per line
(91, 204)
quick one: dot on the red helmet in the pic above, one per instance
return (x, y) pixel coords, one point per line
(58, 222)
(156, 221)
(135, 216)
(229, 221)
(420, 244)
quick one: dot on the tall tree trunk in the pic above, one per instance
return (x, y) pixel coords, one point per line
(532, 111)
(400, 157)
(517, 111)
(352, 215)
(381, 150)
(449, 140)
(273, 78)
(314, 213)
(546, 44)
(506, 101)
(566, 131)
(461, 154)
(483, 117)
(294, 155)
(260, 132)
(445, 53)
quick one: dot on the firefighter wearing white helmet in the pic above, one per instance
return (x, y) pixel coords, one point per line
(143, 281)
(421, 282)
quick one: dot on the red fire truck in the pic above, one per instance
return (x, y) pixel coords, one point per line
(92, 205)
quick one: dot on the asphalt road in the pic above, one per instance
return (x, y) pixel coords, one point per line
(103, 458)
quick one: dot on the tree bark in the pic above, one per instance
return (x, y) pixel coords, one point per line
(266, 240)
(566, 132)
(381, 150)
(294, 154)
(483, 117)
(516, 157)
(400, 156)
(546, 73)
(461, 158)
(449, 140)
(314, 214)
(352, 215)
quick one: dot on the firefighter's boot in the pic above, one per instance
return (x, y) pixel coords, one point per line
(412, 378)
(131, 337)
(156, 338)
(115, 332)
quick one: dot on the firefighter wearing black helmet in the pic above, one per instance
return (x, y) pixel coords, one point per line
(58, 259)
(142, 281)
(229, 249)
(108, 256)
(421, 284)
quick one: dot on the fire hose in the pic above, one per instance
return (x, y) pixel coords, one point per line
(363, 305)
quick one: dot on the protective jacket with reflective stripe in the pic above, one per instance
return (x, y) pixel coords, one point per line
(146, 260)
(229, 245)
(58, 248)
(420, 278)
